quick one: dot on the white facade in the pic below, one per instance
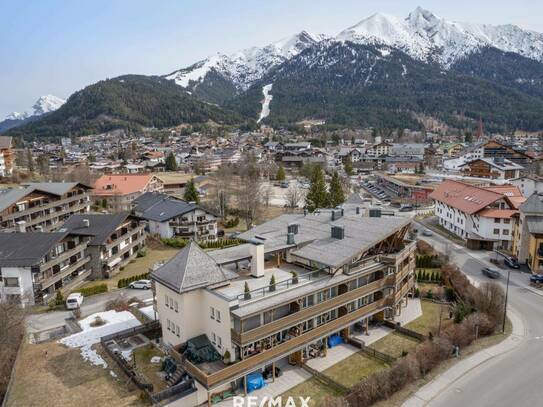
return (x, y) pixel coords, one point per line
(16, 281)
(199, 221)
(528, 186)
(3, 169)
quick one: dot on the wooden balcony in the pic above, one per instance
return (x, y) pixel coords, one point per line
(310, 312)
(63, 256)
(63, 273)
(404, 290)
(246, 366)
(49, 205)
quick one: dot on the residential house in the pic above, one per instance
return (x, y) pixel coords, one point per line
(529, 185)
(41, 206)
(528, 234)
(33, 266)
(334, 272)
(115, 240)
(6, 152)
(483, 217)
(119, 190)
(495, 168)
(170, 217)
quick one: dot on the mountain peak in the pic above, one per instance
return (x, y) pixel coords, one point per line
(44, 104)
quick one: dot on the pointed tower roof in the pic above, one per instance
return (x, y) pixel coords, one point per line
(190, 269)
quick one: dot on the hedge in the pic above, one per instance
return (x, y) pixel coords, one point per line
(93, 290)
(204, 244)
(125, 282)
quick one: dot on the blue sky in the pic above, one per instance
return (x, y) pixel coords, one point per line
(57, 47)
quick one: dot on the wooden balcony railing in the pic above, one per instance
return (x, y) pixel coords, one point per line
(63, 273)
(404, 290)
(243, 367)
(63, 256)
(51, 204)
(306, 313)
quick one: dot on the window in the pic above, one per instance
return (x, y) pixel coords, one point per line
(177, 330)
(166, 300)
(11, 281)
(507, 221)
(171, 303)
(212, 312)
(496, 231)
(168, 324)
(213, 338)
(176, 306)
(505, 232)
(219, 342)
(496, 220)
(218, 316)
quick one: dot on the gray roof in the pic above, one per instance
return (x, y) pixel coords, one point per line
(355, 199)
(190, 269)
(314, 241)
(535, 224)
(5, 142)
(160, 207)
(11, 196)
(534, 204)
(101, 226)
(26, 249)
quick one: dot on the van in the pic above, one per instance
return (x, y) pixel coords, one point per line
(74, 301)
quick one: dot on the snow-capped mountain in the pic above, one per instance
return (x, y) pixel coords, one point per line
(422, 35)
(45, 104)
(246, 66)
(425, 36)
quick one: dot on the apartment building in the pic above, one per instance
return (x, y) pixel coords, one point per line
(529, 184)
(41, 206)
(494, 168)
(528, 234)
(33, 266)
(119, 190)
(115, 240)
(170, 217)
(483, 217)
(334, 273)
(6, 156)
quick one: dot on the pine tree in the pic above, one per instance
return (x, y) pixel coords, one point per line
(348, 166)
(171, 162)
(280, 173)
(317, 197)
(336, 191)
(191, 194)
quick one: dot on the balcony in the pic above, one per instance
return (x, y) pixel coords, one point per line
(397, 258)
(243, 367)
(123, 237)
(309, 312)
(48, 205)
(404, 289)
(61, 257)
(44, 283)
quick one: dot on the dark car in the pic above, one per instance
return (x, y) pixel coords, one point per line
(511, 262)
(491, 273)
(536, 278)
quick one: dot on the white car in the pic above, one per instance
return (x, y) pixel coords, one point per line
(74, 301)
(140, 285)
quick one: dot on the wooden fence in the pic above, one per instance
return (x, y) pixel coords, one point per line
(326, 380)
(372, 352)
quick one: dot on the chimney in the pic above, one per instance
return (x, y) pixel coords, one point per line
(290, 238)
(21, 225)
(305, 211)
(293, 228)
(358, 210)
(257, 260)
(86, 223)
(338, 232)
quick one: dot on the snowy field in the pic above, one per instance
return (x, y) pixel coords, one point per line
(266, 103)
(89, 336)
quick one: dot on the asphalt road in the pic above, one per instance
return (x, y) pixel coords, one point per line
(96, 303)
(512, 379)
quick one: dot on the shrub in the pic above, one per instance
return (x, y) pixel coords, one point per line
(461, 310)
(459, 334)
(59, 298)
(430, 295)
(93, 290)
(231, 223)
(480, 322)
(142, 253)
(450, 296)
(125, 282)
(246, 291)
(272, 283)
(417, 293)
(98, 321)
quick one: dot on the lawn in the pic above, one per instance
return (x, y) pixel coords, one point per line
(310, 388)
(394, 344)
(51, 375)
(149, 370)
(353, 369)
(429, 321)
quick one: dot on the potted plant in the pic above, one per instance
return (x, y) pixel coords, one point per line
(294, 277)
(272, 283)
(247, 291)
(226, 357)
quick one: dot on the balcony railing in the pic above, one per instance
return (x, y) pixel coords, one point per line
(62, 256)
(49, 205)
(44, 283)
(245, 366)
(124, 236)
(309, 312)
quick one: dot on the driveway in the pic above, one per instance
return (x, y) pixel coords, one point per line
(91, 305)
(513, 378)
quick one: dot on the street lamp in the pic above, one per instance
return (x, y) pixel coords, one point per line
(506, 295)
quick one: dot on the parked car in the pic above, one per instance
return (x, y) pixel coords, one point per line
(490, 272)
(511, 262)
(427, 232)
(74, 301)
(284, 184)
(140, 285)
(406, 208)
(536, 278)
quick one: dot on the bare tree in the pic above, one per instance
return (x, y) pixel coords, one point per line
(267, 194)
(249, 194)
(11, 334)
(222, 189)
(294, 196)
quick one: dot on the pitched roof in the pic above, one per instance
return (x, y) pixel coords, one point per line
(11, 196)
(497, 213)
(121, 184)
(26, 249)
(535, 224)
(512, 192)
(190, 269)
(100, 225)
(160, 207)
(464, 197)
(534, 204)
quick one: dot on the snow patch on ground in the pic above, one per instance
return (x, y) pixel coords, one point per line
(266, 103)
(404, 70)
(114, 322)
(384, 52)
